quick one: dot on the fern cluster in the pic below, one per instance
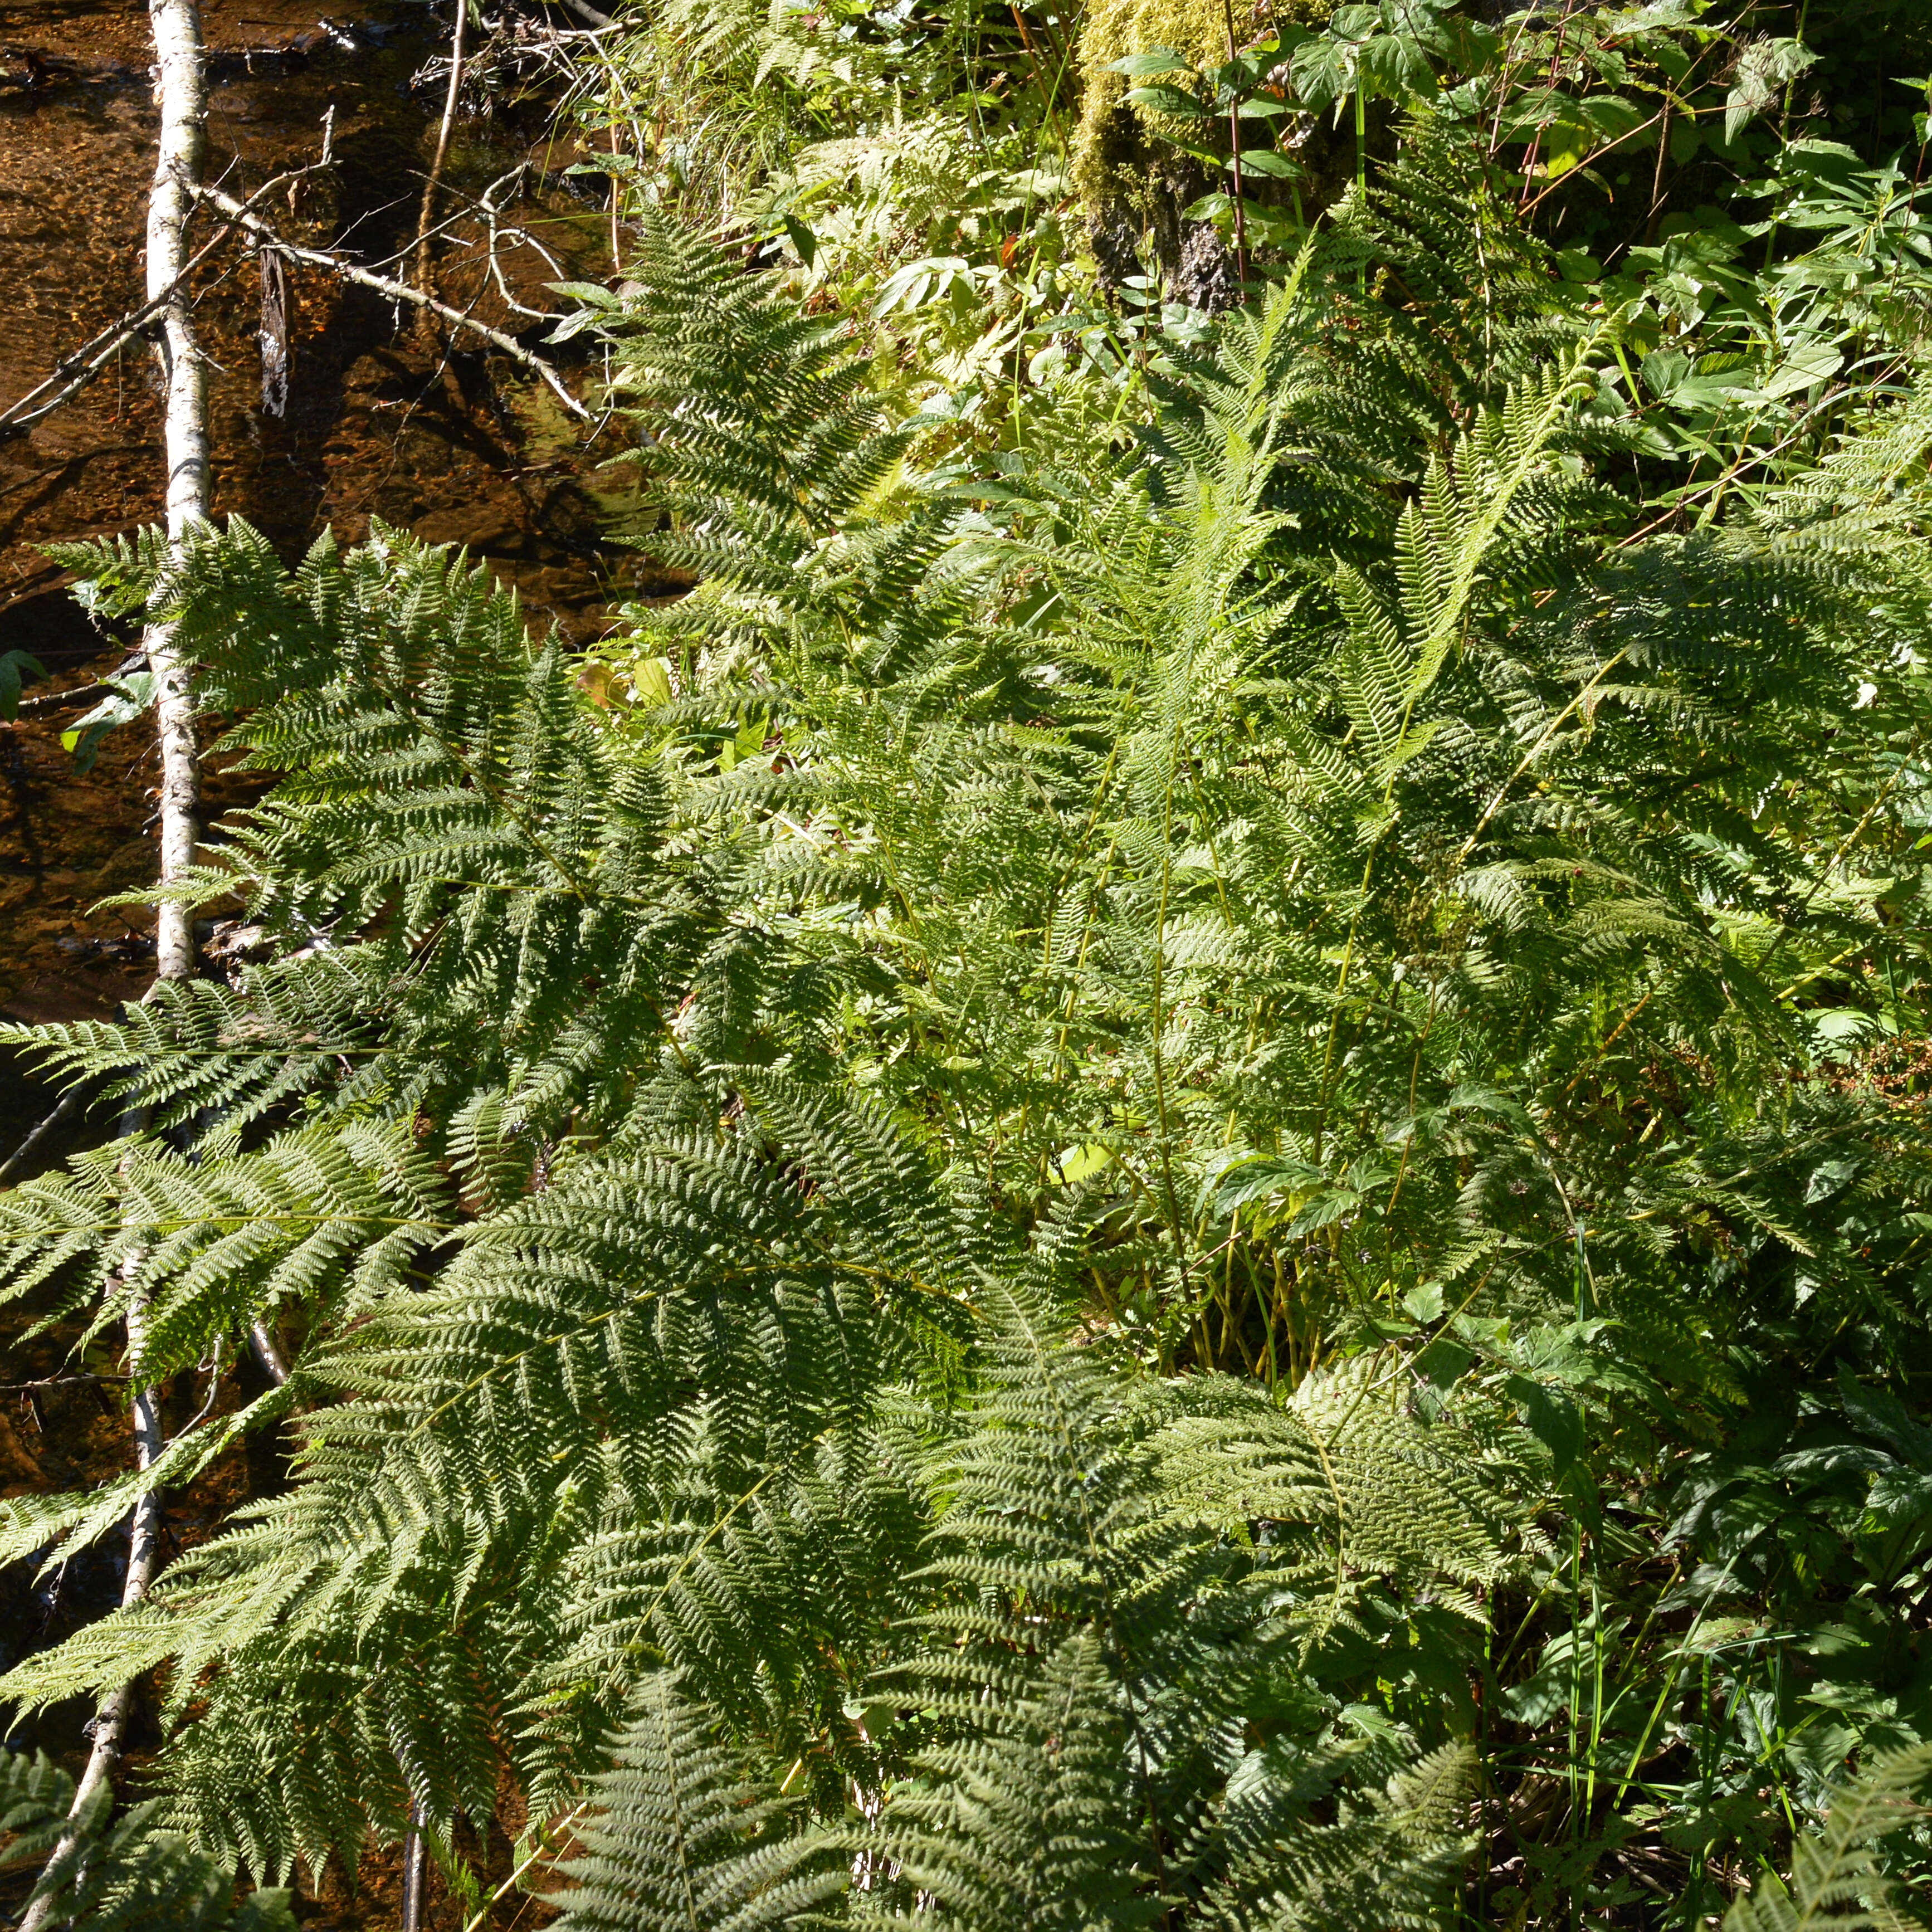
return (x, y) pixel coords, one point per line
(130, 1873)
(983, 1257)
(637, 1344)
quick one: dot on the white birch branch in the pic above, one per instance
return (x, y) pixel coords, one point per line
(268, 1358)
(396, 291)
(177, 30)
(181, 94)
(111, 1715)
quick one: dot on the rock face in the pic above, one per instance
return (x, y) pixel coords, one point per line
(1207, 276)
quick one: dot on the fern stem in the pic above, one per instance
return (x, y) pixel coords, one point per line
(1361, 149)
(1529, 757)
(1323, 1091)
(1160, 982)
(542, 1846)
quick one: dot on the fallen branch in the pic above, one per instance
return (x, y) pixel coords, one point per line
(88, 362)
(54, 700)
(383, 285)
(493, 215)
(69, 1103)
(57, 1382)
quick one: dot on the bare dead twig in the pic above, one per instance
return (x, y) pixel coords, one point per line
(442, 132)
(396, 291)
(70, 1103)
(57, 1382)
(516, 237)
(88, 362)
(54, 700)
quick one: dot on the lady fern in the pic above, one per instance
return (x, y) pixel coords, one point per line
(682, 1838)
(1341, 919)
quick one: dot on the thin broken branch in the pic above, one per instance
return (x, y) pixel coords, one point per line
(517, 237)
(57, 700)
(57, 1382)
(72, 374)
(69, 1103)
(442, 134)
(87, 361)
(396, 291)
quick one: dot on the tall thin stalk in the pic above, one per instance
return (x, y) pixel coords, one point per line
(1234, 138)
(1361, 163)
(434, 180)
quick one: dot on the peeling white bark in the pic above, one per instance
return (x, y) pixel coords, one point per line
(144, 1550)
(181, 94)
(181, 91)
(267, 1357)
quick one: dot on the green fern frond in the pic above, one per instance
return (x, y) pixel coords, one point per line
(1840, 1875)
(682, 1838)
(128, 1874)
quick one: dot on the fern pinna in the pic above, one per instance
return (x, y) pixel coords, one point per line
(615, 1364)
(999, 1244)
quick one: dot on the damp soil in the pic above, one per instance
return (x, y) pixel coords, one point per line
(382, 421)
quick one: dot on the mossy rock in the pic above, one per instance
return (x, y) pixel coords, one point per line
(1131, 177)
